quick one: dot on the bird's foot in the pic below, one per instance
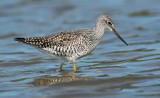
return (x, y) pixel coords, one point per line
(59, 70)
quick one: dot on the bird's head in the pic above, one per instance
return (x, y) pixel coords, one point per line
(107, 23)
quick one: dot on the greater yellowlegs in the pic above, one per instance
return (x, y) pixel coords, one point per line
(71, 45)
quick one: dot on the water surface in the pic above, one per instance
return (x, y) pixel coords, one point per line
(111, 70)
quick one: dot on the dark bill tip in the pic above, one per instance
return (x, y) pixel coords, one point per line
(114, 31)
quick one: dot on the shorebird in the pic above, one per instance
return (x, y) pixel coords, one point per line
(73, 44)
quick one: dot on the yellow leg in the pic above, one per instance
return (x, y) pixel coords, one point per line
(60, 69)
(74, 66)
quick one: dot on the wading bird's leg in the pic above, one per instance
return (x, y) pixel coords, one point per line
(60, 69)
(74, 66)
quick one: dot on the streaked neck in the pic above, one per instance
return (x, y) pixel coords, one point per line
(99, 28)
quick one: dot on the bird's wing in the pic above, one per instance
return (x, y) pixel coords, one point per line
(57, 41)
(67, 37)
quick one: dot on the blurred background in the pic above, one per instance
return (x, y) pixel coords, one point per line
(112, 70)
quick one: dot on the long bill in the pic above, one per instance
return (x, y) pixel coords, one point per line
(114, 31)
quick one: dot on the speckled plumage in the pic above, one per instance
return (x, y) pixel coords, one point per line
(71, 45)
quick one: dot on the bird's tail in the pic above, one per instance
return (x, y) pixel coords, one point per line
(20, 39)
(33, 41)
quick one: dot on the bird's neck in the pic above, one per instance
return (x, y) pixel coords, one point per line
(98, 29)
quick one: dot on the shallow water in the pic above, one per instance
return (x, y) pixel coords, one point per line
(111, 70)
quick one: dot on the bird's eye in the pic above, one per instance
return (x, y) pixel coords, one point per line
(109, 23)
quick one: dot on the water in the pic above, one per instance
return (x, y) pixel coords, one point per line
(111, 70)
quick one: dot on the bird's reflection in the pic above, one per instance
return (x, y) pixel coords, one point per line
(65, 77)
